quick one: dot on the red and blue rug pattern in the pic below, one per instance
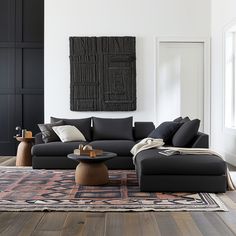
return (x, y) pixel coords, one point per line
(25, 189)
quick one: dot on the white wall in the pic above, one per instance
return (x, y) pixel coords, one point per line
(223, 13)
(145, 19)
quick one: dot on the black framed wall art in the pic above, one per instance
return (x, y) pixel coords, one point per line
(102, 74)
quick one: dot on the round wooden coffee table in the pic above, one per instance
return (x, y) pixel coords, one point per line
(92, 170)
(23, 156)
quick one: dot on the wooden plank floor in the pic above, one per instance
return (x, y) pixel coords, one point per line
(112, 224)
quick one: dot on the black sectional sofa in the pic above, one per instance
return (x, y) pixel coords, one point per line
(185, 173)
(118, 138)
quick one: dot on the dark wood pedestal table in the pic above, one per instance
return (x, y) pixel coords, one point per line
(92, 170)
(23, 156)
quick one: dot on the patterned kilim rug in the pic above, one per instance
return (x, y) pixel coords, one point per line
(24, 189)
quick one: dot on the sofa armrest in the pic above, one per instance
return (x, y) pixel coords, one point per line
(201, 140)
(38, 138)
(142, 129)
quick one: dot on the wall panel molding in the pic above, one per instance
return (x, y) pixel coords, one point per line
(21, 69)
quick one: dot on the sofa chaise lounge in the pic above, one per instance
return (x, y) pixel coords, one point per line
(180, 173)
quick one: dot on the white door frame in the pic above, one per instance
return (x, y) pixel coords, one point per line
(206, 75)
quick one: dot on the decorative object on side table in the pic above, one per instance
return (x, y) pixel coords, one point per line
(87, 150)
(90, 170)
(23, 157)
(18, 129)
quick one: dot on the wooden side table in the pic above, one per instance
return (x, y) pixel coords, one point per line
(23, 157)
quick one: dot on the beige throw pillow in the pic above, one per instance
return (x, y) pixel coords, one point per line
(68, 133)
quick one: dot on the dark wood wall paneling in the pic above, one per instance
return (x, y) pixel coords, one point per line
(21, 69)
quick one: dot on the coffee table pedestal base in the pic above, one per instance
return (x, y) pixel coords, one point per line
(91, 174)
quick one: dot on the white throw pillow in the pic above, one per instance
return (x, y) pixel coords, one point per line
(68, 133)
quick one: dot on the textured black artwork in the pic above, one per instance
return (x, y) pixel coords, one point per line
(103, 74)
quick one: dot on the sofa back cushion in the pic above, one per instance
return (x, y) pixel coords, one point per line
(142, 129)
(186, 133)
(84, 125)
(112, 128)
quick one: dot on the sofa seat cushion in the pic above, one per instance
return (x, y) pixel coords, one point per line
(151, 162)
(120, 147)
(55, 148)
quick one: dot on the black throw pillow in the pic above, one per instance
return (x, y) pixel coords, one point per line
(165, 130)
(181, 119)
(186, 133)
(83, 125)
(48, 134)
(185, 119)
(112, 128)
(178, 119)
